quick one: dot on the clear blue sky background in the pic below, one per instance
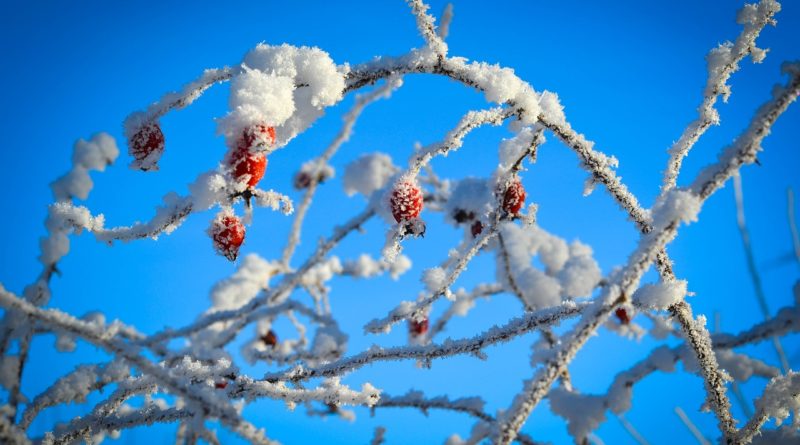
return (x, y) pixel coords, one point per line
(629, 73)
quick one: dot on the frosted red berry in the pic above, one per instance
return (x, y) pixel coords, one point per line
(622, 315)
(147, 140)
(514, 197)
(221, 384)
(247, 166)
(417, 328)
(228, 235)
(246, 163)
(270, 338)
(256, 136)
(406, 201)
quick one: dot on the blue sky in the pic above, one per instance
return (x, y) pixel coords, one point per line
(629, 74)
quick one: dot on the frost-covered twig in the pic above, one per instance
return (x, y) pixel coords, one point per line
(273, 296)
(498, 334)
(184, 97)
(722, 61)
(781, 397)
(680, 206)
(318, 165)
(11, 434)
(474, 406)
(74, 387)
(440, 287)
(426, 26)
(105, 340)
(463, 301)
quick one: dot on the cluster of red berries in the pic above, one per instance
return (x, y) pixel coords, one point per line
(247, 166)
(147, 140)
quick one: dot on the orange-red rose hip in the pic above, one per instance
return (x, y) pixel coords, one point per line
(228, 236)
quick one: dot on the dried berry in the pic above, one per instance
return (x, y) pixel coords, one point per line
(270, 338)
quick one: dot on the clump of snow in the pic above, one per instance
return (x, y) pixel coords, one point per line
(369, 173)
(283, 86)
(583, 413)
(95, 154)
(580, 273)
(257, 98)
(250, 278)
(366, 266)
(741, 367)
(661, 295)
(471, 198)
(512, 148)
(677, 205)
(552, 110)
(434, 279)
(569, 270)
(781, 397)
(208, 189)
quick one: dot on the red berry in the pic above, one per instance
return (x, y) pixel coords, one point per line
(476, 228)
(270, 338)
(622, 315)
(259, 135)
(248, 166)
(514, 197)
(221, 384)
(228, 236)
(406, 201)
(148, 139)
(246, 163)
(417, 328)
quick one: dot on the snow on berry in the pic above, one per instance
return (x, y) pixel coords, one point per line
(227, 232)
(471, 198)
(406, 200)
(145, 144)
(514, 197)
